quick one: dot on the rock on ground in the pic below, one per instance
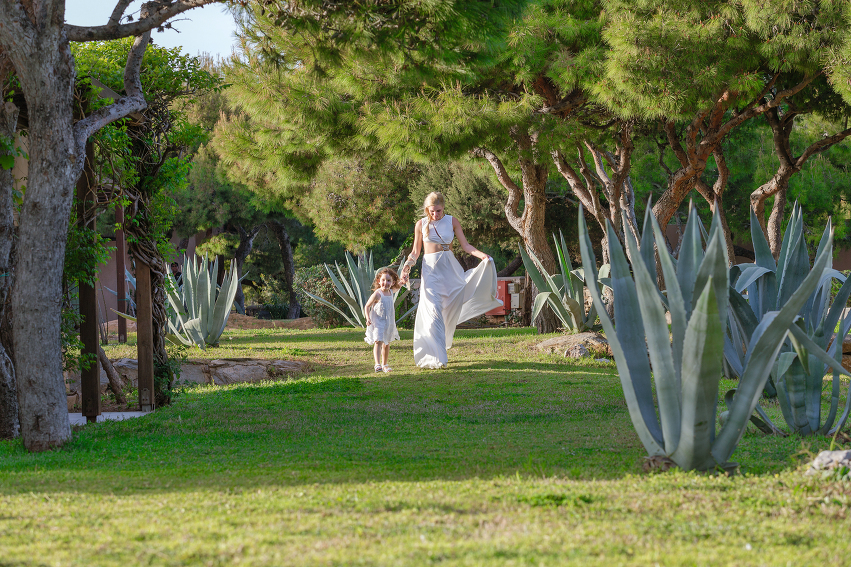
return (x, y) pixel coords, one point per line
(827, 460)
(219, 372)
(577, 345)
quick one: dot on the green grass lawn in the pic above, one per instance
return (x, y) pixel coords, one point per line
(509, 457)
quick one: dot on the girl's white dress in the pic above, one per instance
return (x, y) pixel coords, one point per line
(448, 296)
(383, 327)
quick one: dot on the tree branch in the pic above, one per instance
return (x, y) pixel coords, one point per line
(596, 155)
(674, 143)
(514, 192)
(821, 145)
(146, 23)
(723, 173)
(752, 111)
(624, 151)
(117, 12)
(133, 101)
(573, 179)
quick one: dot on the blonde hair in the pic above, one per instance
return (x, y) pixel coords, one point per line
(393, 275)
(432, 199)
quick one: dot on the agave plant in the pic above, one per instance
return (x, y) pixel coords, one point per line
(564, 292)
(357, 289)
(797, 376)
(687, 358)
(200, 309)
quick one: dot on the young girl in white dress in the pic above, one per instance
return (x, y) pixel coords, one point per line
(381, 317)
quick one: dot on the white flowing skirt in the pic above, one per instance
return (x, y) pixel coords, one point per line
(448, 296)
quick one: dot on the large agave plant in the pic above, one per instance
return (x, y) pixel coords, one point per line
(563, 292)
(687, 358)
(355, 290)
(200, 309)
(798, 374)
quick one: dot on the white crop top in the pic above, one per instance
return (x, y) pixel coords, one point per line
(439, 232)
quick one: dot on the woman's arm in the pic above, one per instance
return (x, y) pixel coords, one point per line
(466, 246)
(415, 253)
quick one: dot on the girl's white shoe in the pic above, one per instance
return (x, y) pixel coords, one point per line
(386, 368)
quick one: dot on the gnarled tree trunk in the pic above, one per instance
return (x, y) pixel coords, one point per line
(35, 38)
(46, 70)
(705, 134)
(9, 425)
(530, 223)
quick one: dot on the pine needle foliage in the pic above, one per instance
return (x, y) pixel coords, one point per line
(671, 58)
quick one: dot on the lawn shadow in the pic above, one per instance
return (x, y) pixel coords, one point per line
(477, 419)
(336, 430)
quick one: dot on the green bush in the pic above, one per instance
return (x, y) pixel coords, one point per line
(315, 280)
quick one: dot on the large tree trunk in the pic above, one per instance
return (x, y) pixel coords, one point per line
(246, 243)
(47, 77)
(9, 425)
(35, 39)
(535, 238)
(283, 238)
(775, 220)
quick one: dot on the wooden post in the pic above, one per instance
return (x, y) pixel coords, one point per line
(145, 336)
(89, 378)
(120, 268)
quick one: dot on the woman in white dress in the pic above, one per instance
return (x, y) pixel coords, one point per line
(448, 294)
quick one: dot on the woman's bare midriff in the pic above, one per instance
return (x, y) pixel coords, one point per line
(431, 248)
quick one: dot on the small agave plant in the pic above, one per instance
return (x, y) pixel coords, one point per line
(686, 360)
(563, 292)
(357, 289)
(200, 309)
(797, 376)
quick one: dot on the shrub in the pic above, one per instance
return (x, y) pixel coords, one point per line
(315, 280)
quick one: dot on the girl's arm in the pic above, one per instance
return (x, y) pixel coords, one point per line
(466, 246)
(415, 253)
(373, 299)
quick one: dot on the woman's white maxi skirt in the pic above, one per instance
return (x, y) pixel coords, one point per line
(448, 296)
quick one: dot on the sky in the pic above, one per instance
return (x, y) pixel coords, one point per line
(207, 29)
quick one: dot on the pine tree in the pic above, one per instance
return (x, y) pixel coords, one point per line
(520, 99)
(703, 68)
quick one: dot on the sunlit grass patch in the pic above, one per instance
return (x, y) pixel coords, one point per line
(508, 457)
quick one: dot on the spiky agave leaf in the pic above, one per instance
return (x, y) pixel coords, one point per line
(655, 332)
(701, 374)
(631, 358)
(766, 343)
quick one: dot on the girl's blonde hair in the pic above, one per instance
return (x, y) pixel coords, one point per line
(393, 275)
(432, 199)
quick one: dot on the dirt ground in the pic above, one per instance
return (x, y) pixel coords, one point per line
(237, 321)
